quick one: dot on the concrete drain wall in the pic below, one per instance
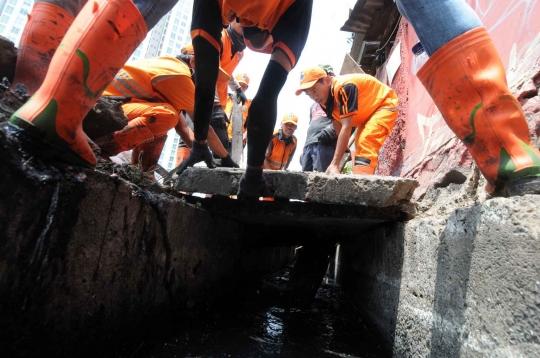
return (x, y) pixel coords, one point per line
(83, 254)
(453, 282)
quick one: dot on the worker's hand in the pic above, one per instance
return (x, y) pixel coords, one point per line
(333, 169)
(228, 162)
(219, 118)
(199, 152)
(244, 139)
(241, 95)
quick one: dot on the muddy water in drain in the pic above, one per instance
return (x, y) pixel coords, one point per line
(261, 322)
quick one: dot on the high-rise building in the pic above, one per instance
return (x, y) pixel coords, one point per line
(13, 18)
(165, 39)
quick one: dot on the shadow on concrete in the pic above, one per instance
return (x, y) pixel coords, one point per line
(371, 268)
(456, 246)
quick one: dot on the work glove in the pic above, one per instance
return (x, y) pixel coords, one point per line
(219, 118)
(199, 152)
(228, 162)
(253, 189)
(241, 95)
(327, 135)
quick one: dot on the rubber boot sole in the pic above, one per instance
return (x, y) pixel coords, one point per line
(524, 186)
(37, 142)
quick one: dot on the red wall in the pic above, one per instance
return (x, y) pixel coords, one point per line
(430, 148)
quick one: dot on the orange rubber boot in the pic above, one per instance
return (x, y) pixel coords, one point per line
(134, 134)
(362, 165)
(96, 46)
(467, 82)
(363, 169)
(181, 154)
(46, 26)
(147, 154)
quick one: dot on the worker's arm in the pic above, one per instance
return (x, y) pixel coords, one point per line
(343, 131)
(188, 136)
(215, 144)
(183, 130)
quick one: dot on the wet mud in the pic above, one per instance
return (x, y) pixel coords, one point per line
(260, 321)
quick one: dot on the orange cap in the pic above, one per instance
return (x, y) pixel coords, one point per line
(309, 77)
(242, 78)
(290, 118)
(188, 49)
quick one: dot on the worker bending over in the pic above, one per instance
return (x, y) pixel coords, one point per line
(160, 89)
(276, 27)
(90, 42)
(356, 100)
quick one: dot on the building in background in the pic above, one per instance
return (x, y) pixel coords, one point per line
(166, 39)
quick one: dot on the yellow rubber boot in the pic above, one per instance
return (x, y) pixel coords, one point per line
(46, 26)
(97, 44)
(467, 82)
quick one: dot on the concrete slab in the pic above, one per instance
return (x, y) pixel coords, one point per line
(300, 223)
(375, 191)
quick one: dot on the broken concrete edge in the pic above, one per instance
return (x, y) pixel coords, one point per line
(306, 186)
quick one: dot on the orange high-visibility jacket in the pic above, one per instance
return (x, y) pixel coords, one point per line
(161, 79)
(263, 14)
(359, 96)
(228, 63)
(280, 151)
(229, 109)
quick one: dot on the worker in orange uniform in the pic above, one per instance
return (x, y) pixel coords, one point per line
(281, 148)
(356, 100)
(70, 52)
(160, 89)
(243, 81)
(279, 28)
(232, 52)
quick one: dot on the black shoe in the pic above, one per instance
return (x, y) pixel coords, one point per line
(253, 189)
(523, 186)
(199, 153)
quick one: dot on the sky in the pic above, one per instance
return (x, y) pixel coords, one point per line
(326, 44)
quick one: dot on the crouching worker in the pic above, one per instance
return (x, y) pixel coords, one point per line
(356, 100)
(159, 88)
(283, 144)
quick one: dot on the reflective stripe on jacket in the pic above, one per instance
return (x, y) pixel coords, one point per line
(144, 80)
